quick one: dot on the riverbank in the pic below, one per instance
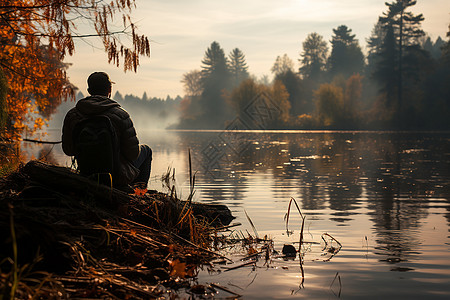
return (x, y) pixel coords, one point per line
(64, 236)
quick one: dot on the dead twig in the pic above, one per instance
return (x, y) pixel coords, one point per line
(225, 289)
(251, 223)
(239, 266)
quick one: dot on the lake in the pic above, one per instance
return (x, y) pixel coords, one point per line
(384, 196)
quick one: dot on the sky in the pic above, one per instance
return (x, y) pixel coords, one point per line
(181, 31)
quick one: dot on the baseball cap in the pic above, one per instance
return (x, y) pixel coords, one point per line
(99, 81)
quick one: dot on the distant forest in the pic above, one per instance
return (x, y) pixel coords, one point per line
(150, 112)
(145, 112)
(402, 83)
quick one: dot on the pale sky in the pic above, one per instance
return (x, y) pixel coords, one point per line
(182, 30)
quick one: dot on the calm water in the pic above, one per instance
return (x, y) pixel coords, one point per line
(384, 196)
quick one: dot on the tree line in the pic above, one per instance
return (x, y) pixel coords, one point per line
(150, 112)
(147, 112)
(401, 83)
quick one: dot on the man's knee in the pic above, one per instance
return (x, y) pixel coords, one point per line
(148, 151)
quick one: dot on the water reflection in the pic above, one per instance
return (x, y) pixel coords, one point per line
(391, 189)
(397, 177)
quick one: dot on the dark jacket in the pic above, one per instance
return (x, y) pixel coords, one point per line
(129, 143)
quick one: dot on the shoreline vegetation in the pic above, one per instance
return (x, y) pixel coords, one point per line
(65, 236)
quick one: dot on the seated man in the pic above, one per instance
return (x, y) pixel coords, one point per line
(133, 163)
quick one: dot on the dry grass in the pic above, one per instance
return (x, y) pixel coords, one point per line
(59, 245)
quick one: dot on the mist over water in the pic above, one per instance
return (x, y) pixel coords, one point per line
(383, 195)
(145, 113)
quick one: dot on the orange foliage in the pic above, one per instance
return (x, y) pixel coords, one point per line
(36, 35)
(242, 95)
(182, 269)
(140, 192)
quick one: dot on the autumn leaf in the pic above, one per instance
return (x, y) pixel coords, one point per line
(140, 192)
(191, 271)
(252, 250)
(177, 268)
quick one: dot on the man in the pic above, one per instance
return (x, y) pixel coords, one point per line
(134, 161)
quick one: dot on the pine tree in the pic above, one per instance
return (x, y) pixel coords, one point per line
(118, 96)
(446, 49)
(237, 66)
(435, 49)
(406, 29)
(215, 79)
(313, 57)
(214, 62)
(346, 56)
(374, 45)
(386, 72)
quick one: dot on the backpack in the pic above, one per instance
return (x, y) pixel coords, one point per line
(96, 146)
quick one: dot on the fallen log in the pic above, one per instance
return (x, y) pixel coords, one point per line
(67, 181)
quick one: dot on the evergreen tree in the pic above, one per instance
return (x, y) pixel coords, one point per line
(374, 46)
(214, 62)
(435, 49)
(407, 26)
(397, 61)
(406, 29)
(346, 56)
(313, 57)
(427, 45)
(437, 91)
(387, 67)
(237, 66)
(118, 97)
(446, 49)
(215, 79)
